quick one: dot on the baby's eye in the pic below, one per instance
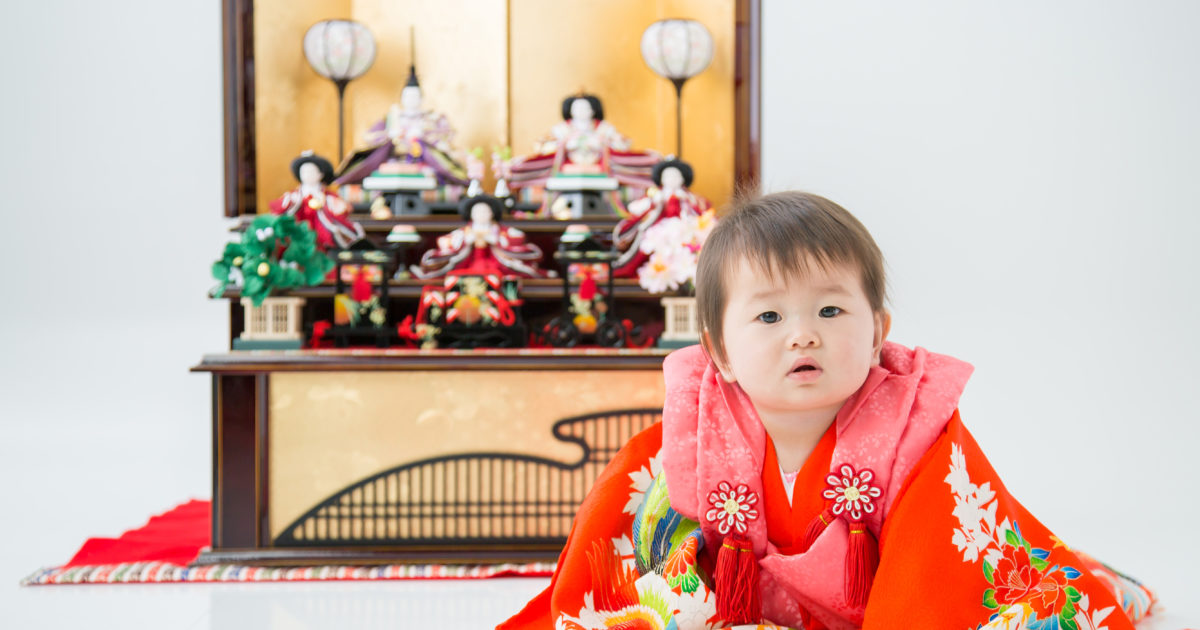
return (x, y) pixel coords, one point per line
(769, 317)
(830, 311)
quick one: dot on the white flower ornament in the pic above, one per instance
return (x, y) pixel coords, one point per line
(731, 507)
(852, 492)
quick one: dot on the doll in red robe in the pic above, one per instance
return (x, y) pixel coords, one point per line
(482, 246)
(312, 203)
(670, 198)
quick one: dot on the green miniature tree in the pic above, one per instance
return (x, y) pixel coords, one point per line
(275, 253)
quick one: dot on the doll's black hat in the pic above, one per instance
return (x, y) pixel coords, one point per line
(497, 206)
(308, 157)
(592, 99)
(685, 169)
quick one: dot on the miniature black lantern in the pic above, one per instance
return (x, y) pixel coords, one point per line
(585, 312)
(363, 312)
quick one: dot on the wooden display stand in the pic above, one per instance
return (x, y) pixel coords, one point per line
(385, 455)
(375, 456)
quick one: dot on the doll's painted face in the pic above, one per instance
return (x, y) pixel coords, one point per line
(410, 98)
(799, 346)
(310, 174)
(581, 111)
(672, 179)
(481, 214)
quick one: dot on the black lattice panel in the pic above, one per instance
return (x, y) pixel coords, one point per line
(472, 497)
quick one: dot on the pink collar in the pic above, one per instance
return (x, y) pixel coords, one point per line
(711, 432)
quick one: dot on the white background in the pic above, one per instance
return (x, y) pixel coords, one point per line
(1028, 168)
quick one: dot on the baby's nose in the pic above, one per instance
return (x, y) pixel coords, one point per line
(803, 336)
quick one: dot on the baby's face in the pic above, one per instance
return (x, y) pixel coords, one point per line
(799, 345)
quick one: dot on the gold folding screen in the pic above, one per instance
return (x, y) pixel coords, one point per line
(498, 69)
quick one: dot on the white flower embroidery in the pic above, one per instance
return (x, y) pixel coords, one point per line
(640, 481)
(852, 492)
(975, 509)
(1089, 620)
(624, 547)
(731, 507)
(695, 609)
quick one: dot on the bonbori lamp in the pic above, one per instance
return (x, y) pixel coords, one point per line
(677, 50)
(341, 51)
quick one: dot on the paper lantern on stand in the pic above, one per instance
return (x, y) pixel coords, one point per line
(677, 50)
(341, 51)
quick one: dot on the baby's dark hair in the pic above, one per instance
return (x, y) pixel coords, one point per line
(780, 234)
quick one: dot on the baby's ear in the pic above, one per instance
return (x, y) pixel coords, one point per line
(883, 325)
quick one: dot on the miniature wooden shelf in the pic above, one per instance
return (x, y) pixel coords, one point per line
(446, 223)
(535, 289)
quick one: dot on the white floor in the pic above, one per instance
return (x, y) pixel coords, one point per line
(362, 606)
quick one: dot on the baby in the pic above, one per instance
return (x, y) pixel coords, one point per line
(811, 474)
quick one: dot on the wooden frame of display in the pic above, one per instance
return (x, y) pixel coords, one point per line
(240, 138)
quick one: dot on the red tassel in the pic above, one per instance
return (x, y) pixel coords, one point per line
(815, 527)
(736, 583)
(861, 562)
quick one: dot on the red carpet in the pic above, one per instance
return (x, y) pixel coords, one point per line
(160, 551)
(174, 537)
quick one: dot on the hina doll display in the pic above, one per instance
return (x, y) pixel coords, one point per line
(314, 204)
(482, 246)
(584, 144)
(669, 198)
(417, 138)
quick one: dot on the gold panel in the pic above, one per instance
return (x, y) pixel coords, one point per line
(329, 430)
(461, 64)
(295, 108)
(559, 47)
(462, 55)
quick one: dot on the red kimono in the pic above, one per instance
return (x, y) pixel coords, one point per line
(500, 251)
(324, 212)
(897, 474)
(627, 235)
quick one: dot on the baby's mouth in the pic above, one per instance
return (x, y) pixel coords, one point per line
(805, 368)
